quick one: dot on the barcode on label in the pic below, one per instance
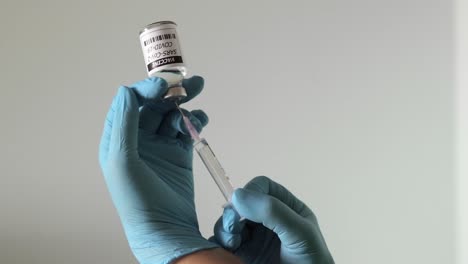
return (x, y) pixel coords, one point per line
(159, 38)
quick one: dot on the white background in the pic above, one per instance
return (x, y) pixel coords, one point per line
(350, 104)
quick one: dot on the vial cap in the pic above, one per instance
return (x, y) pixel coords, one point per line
(175, 93)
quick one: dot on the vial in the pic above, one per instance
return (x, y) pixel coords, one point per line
(163, 56)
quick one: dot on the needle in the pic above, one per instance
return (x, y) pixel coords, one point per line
(178, 107)
(191, 129)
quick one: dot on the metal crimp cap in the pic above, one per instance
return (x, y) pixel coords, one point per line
(175, 93)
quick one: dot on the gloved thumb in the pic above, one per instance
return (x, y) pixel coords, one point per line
(124, 132)
(272, 213)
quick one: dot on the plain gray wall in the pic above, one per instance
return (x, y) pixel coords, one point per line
(347, 103)
(461, 20)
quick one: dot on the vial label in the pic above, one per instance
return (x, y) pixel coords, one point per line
(161, 49)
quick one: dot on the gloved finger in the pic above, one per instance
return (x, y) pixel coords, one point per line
(116, 105)
(267, 186)
(193, 86)
(143, 90)
(228, 240)
(272, 213)
(232, 220)
(153, 112)
(173, 123)
(123, 136)
(199, 120)
(150, 118)
(150, 94)
(149, 89)
(201, 116)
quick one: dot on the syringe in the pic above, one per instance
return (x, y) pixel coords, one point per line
(209, 159)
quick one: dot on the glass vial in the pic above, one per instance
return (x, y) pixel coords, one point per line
(163, 56)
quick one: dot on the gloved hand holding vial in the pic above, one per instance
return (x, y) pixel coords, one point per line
(146, 154)
(164, 59)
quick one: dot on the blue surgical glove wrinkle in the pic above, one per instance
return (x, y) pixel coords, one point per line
(279, 227)
(146, 158)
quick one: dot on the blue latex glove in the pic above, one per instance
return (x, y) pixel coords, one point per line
(279, 227)
(146, 158)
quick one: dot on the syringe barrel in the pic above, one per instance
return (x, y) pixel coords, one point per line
(214, 167)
